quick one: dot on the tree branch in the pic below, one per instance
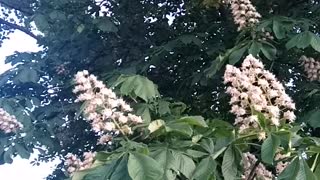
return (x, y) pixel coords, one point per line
(28, 13)
(20, 28)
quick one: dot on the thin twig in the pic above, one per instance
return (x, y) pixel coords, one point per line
(20, 28)
(252, 172)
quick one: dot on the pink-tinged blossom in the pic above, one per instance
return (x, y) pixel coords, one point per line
(260, 172)
(281, 164)
(311, 68)
(8, 123)
(74, 164)
(102, 108)
(254, 90)
(244, 13)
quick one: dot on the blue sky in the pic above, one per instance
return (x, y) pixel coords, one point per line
(21, 167)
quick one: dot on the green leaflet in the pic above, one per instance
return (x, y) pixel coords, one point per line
(142, 167)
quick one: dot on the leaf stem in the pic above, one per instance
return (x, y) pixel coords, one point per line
(315, 163)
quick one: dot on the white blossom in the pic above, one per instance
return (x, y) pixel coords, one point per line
(73, 163)
(254, 90)
(244, 13)
(311, 67)
(8, 123)
(102, 108)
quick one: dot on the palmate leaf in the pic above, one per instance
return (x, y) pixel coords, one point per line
(268, 50)
(164, 107)
(99, 173)
(312, 118)
(22, 151)
(186, 165)
(237, 53)
(205, 169)
(179, 128)
(174, 162)
(114, 169)
(269, 148)
(315, 42)
(278, 29)
(229, 163)
(255, 48)
(298, 169)
(27, 75)
(193, 120)
(138, 86)
(156, 125)
(143, 110)
(105, 24)
(167, 161)
(143, 167)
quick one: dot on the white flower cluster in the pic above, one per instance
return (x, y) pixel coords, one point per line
(249, 160)
(254, 89)
(311, 67)
(244, 13)
(8, 123)
(102, 108)
(73, 163)
(266, 35)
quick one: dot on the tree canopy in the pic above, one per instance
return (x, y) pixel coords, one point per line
(168, 60)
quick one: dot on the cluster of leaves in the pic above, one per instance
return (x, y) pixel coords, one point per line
(132, 45)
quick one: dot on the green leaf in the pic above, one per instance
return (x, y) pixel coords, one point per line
(106, 25)
(143, 110)
(208, 145)
(291, 171)
(139, 86)
(205, 169)
(195, 154)
(164, 107)
(7, 156)
(255, 48)
(99, 173)
(57, 15)
(121, 170)
(142, 167)
(269, 148)
(185, 164)
(293, 41)
(193, 120)
(305, 40)
(167, 161)
(236, 54)
(27, 75)
(313, 118)
(215, 66)
(177, 108)
(285, 139)
(22, 151)
(315, 42)
(181, 128)
(268, 50)
(278, 29)
(187, 39)
(41, 22)
(304, 172)
(317, 168)
(298, 169)
(229, 164)
(156, 125)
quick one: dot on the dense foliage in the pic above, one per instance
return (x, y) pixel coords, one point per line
(167, 60)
